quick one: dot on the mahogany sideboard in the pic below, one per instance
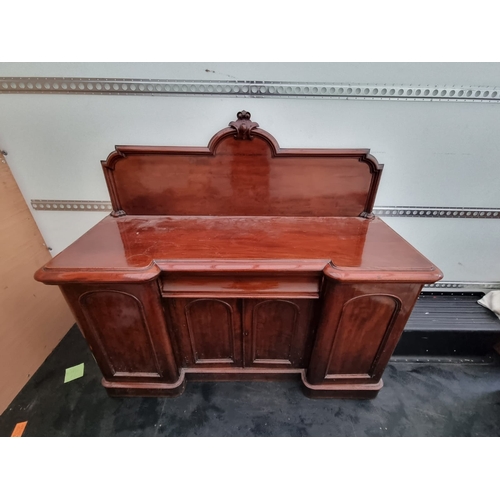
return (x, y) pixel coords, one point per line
(241, 261)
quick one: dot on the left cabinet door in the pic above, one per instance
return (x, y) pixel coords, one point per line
(125, 329)
(207, 331)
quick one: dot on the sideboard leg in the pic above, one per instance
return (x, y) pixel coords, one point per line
(338, 391)
(146, 389)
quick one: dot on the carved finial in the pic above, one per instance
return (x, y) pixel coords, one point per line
(243, 125)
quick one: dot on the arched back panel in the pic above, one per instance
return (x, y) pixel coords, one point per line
(242, 172)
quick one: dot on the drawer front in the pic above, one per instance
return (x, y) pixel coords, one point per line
(179, 284)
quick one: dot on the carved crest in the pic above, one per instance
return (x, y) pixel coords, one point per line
(243, 125)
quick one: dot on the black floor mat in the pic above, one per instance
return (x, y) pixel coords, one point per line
(417, 400)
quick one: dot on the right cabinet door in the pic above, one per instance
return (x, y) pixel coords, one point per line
(359, 328)
(278, 332)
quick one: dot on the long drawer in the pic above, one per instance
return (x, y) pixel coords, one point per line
(298, 285)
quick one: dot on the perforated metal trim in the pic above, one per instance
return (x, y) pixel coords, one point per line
(322, 90)
(397, 211)
(72, 205)
(465, 285)
(439, 212)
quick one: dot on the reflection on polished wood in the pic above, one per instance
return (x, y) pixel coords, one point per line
(241, 261)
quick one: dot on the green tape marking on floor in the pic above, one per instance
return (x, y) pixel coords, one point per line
(73, 373)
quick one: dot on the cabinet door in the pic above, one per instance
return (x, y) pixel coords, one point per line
(278, 332)
(359, 328)
(125, 329)
(207, 331)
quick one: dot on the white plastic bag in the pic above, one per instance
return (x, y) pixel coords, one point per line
(492, 302)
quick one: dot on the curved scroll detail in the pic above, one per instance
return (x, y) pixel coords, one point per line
(108, 167)
(243, 125)
(376, 171)
(112, 158)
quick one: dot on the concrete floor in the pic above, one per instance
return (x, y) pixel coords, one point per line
(417, 400)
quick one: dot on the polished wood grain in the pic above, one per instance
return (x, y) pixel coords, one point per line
(126, 330)
(241, 261)
(241, 173)
(140, 247)
(359, 327)
(206, 331)
(278, 332)
(135, 352)
(364, 326)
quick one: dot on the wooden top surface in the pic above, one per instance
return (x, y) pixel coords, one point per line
(139, 247)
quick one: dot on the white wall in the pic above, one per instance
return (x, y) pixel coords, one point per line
(435, 153)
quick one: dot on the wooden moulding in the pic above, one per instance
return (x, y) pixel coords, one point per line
(338, 391)
(139, 389)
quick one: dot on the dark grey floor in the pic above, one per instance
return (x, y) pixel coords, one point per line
(417, 400)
